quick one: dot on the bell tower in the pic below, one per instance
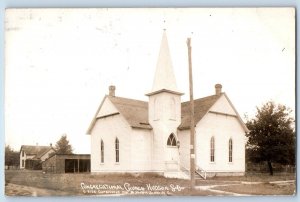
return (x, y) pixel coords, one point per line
(164, 110)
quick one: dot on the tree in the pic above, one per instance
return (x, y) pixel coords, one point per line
(12, 158)
(62, 146)
(272, 137)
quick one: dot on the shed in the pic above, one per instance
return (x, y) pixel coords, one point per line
(67, 163)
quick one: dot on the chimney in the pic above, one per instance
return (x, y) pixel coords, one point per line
(218, 88)
(50, 144)
(112, 90)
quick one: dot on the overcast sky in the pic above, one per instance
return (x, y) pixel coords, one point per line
(60, 62)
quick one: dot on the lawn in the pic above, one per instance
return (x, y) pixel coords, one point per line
(76, 184)
(25, 181)
(258, 177)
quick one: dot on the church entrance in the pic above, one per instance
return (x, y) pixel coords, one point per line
(172, 154)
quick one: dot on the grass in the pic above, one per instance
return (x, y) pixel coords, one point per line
(71, 183)
(258, 177)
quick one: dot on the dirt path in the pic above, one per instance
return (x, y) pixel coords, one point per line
(20, 190)
(214, 188)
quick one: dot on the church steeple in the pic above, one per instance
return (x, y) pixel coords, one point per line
(164, 79)
(164, 108)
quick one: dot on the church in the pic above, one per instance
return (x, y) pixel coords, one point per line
(133, 136)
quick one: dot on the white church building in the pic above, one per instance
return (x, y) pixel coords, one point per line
(133, 136)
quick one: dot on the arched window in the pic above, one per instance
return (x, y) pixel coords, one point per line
(230, 150)
(212, 149)
(102, 151)
(117, 147)
(172, 140)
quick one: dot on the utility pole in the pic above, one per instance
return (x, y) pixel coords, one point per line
(192, 126)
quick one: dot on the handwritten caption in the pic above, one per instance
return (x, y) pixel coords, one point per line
(127, 188)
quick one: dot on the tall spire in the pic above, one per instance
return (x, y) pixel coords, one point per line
(164, 78)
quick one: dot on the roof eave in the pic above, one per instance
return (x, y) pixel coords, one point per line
(164, 90)
(184, 128)
(46, 152)
(238, 116)
(92, 124)
(140, 127)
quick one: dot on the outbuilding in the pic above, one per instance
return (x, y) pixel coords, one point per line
(67, 163)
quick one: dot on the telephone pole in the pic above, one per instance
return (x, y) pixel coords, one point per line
(192, 126)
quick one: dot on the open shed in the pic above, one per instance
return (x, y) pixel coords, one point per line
(67, 163)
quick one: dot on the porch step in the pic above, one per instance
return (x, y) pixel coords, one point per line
(199, 173)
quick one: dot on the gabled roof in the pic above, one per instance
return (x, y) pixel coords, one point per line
(201, 107)
(43, 153)
(134, 111)
(38, 151)
(95, 116)
(238, 116)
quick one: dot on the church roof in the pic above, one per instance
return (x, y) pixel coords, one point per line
(38, 151)
(201, 107)
(134, 111)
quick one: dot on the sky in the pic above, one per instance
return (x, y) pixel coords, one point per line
(60, 62)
